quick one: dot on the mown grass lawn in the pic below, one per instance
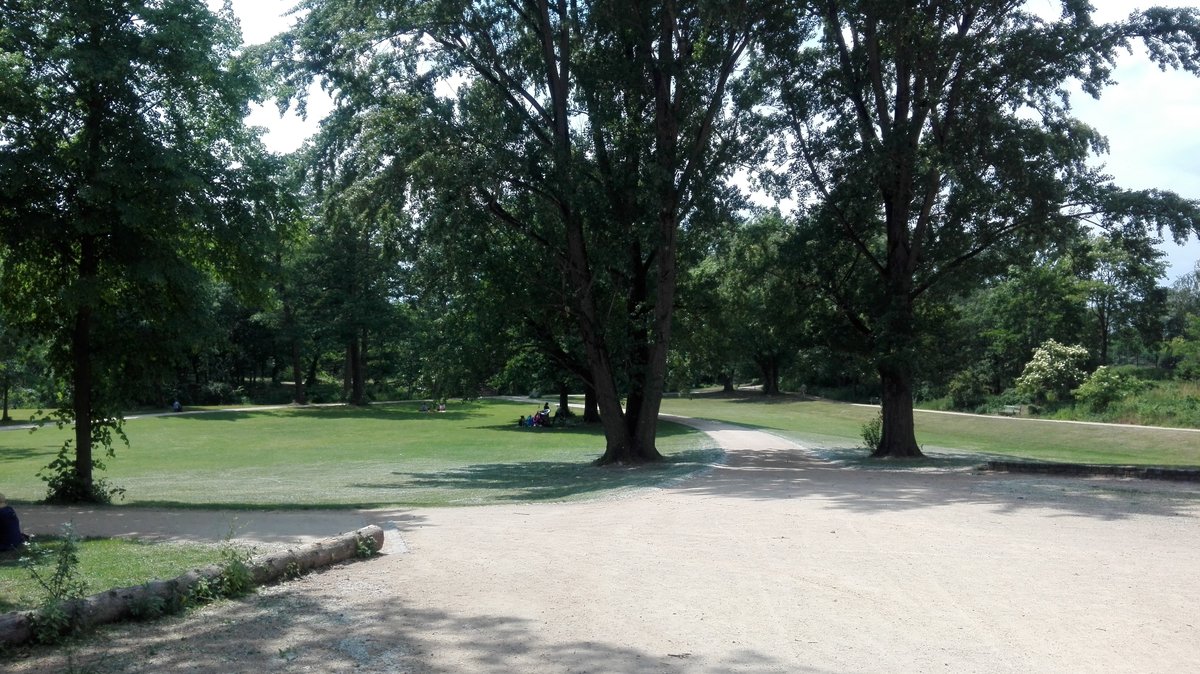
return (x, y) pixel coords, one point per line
(836, 427)
(353, 457)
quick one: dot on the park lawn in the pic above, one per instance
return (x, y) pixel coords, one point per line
(837, 427)
(104, 563)
(380, 455)
(19, 416)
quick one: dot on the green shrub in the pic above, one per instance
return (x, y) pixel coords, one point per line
(872, 433)
(1106, 386)
(57, 574)
(969, 389)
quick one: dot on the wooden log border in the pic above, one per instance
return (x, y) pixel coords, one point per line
(126, 603)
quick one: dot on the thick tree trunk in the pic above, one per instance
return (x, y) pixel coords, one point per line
(770, 373)
(899, 439)
(563, 400)
(591, 410)
(7, 385)
(726, 383)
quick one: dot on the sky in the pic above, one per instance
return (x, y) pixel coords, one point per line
(1151, 118)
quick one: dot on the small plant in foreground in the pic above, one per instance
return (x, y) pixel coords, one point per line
(56, 617)
(234, 579)
(364, 547)
(148, 607)
(872, 433)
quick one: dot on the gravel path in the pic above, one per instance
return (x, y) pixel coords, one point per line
(771, 562)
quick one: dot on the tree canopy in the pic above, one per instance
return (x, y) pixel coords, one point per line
(127, 178)
(932, 142)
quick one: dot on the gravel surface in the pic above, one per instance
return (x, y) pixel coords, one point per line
(773, 561)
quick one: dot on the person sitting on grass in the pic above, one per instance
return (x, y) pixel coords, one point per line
(11, 537)
(521, 421)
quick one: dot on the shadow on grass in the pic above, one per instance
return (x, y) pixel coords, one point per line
(551, 480)
(756, 397)
(13, 454)
(397, 412)
(666, 429)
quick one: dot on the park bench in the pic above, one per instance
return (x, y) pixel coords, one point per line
(1011, 410)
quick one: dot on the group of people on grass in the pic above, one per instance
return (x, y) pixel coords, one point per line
(538, 419)
(441, 407)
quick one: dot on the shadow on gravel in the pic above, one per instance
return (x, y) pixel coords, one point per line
(787, 474)
(289, 631)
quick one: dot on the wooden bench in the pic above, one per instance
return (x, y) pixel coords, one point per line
(1011, 410)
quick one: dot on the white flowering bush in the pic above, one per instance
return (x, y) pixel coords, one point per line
(1054, 370)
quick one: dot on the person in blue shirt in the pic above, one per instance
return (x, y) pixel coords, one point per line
(11, 537)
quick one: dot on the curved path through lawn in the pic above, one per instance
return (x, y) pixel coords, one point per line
(773, 561)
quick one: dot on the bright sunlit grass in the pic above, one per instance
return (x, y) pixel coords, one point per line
(341, 457)
(837, 426)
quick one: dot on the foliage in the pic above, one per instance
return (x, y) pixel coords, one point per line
(364, 547)
(1106, 386)
(934, 146)
(969, 388)
(64, 483)
(55, 616)
(1122, 271)
(872, 433)
(127, 180)
(1184, 349)
(589, 147)
(1053, 371)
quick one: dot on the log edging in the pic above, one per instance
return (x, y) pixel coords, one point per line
(129, 603)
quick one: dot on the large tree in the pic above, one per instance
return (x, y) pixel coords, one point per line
(599, 131)
(934, 142)
(1122, 274)
(126, 178)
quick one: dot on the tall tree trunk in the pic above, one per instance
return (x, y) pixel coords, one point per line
(355, 366)
(310, 379)
(591, 410)
(7, 385)
(769, 366)
(726, 383)
(298, 394)
(899, 439)
(81, 384)
(563, 401)
(348, 371)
